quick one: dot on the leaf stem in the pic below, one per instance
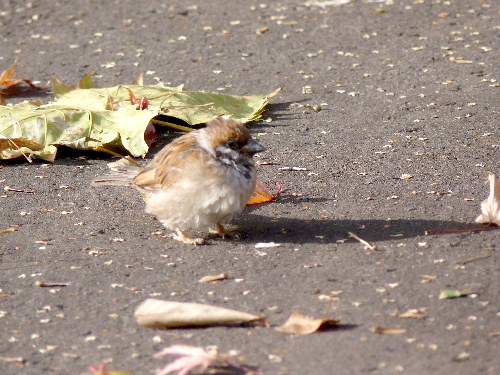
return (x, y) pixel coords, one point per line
(172, 125)
(130, 160)
(465, 230)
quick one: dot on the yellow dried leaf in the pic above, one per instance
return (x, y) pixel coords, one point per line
(262, 195)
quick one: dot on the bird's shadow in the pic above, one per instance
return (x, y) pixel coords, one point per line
(280, 112)
(292, 230)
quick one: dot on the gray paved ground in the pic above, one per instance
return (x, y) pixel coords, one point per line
(409, 88)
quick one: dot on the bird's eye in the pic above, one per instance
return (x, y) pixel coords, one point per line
(233, 145)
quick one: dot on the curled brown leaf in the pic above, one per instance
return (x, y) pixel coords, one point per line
(300, 324)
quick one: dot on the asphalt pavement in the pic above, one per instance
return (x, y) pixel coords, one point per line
(390, 113)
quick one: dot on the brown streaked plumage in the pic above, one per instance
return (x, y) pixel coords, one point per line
(198, 181)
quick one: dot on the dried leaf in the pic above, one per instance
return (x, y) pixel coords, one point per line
(192, 107)
(7, 77)
(300, 324)
(91, 118)
(154, 313)
(262, 195)
(142, 103)
(190, 358)
(28, 129)
(60, 88)
(388, 331)
(453, 293)
(9, 85)
(490, 207)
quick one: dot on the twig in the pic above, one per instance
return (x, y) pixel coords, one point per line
(43, 284)
(479, 257)
(102, 149)
(464, 230)
(8, 230)
(364, 242)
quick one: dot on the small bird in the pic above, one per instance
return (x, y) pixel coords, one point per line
(198, 181)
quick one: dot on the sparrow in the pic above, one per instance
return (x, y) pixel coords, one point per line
(199, 181)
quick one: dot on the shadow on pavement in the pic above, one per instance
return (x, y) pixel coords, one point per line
(290, 230)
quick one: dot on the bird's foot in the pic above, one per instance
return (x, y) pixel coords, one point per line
(220, 231)
(178, 235)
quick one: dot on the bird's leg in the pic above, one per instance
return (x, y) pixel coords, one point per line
(181, 237)
(220, 231)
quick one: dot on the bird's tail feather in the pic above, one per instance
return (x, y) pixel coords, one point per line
(116, 179)
(122, 175)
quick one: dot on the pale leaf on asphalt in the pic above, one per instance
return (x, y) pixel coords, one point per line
(155, 313)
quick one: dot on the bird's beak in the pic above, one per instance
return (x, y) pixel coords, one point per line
(252, 147)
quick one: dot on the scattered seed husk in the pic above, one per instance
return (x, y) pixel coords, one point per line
(464, 356)
(388, 330)
(414, 313)
(265, 245)
(210, 278)
(12, 359)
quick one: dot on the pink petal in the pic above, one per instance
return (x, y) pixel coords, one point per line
(185, 364)
(187, 350)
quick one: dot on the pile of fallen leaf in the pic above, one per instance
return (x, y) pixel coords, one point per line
(113, 119)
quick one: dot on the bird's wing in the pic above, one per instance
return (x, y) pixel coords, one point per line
(170, 163)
